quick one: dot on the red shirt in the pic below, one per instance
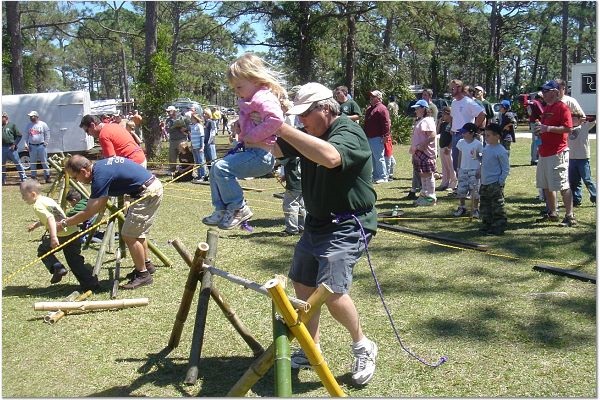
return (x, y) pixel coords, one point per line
(557, 114)
(377, 121)
(116, 141)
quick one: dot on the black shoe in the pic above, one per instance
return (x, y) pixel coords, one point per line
(286, 233)
(149, 267)
(576, 203)
(140, 279)
(94, 288)
(412, 195)
(59, 272)
(593, 199)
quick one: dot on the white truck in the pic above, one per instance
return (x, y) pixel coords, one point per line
(62, 111)
(583, 89)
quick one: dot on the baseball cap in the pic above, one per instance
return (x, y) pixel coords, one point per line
(505, 104)
(469, 127)
(308, 94)
(171, 108)
(33, 114)
(420, 103)
(550, 85)
(376, 93)
(479, 88)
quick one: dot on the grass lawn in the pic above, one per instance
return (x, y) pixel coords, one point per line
(507, 330)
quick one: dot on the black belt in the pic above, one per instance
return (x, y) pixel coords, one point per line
(144, 186)
(36, 144)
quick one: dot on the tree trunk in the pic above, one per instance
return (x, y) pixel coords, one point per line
(350, 51)
(565, 36)
(305, 72)
(13, 26)
(536, 60)
(152, 137)
(176, 32)
(489, 72)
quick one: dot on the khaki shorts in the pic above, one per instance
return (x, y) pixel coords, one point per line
(140, 216)
(552, 172)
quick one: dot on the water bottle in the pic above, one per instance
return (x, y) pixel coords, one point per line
(395, 211)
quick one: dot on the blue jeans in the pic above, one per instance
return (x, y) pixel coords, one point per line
(225, 191)
(580, 170)
(199, 160)
(37, 153)
(378, 158)
(455, 138)
(210, 153)
(535, 143)
(13, 156)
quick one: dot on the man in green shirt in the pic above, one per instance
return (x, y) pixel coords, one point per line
(347, 106)
(336, 171)
(10, 139)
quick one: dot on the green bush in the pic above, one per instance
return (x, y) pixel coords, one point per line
(401, 129)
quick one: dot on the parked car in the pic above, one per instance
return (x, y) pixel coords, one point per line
(184, 103)
(231, 111)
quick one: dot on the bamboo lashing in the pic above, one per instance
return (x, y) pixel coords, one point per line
(292, 320)
(90, 305)
(264, 362)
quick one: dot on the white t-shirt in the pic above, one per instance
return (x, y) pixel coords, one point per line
(467, 153)
(463, 111)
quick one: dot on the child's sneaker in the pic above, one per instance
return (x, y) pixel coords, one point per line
(460, 211)
(150, 267)
(214, 219)
(363, 367)
(231, 219)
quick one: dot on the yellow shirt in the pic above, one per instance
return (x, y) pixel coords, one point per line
(45, 207)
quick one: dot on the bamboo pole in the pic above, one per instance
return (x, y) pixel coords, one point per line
(283, 358)
(199, 328)
(212, 237)
(102, 250)
(120, 221)
(265, 361)
(90, 305)
(53, 317)
(188, 295)
(115, 283)
(81, 189)
(248, 284)
(229, 313)
(70, 297)
(299, 330)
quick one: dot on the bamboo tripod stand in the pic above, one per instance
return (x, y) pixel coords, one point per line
(63, 182)
(290, 325)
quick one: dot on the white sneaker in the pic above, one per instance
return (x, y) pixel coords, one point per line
(378, 181)
(214, 219)
(231, 219)
(363, 367)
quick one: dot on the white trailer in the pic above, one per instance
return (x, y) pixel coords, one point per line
(583, 87)
(62, 111)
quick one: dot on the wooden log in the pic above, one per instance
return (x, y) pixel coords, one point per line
(265, 361)
(70, 297)
(292, 320)
(188, 295)
(212, 237)
(57, 315)
(90, 305)
(569, 273)
(231, 316)
(455, 242)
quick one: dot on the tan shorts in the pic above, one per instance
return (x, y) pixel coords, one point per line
(140, 216)
(552, 172)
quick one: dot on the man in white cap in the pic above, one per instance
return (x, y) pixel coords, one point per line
(341, 217)
(36, 138)
(378, 128)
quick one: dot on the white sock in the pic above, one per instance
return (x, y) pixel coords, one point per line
(362, 343)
